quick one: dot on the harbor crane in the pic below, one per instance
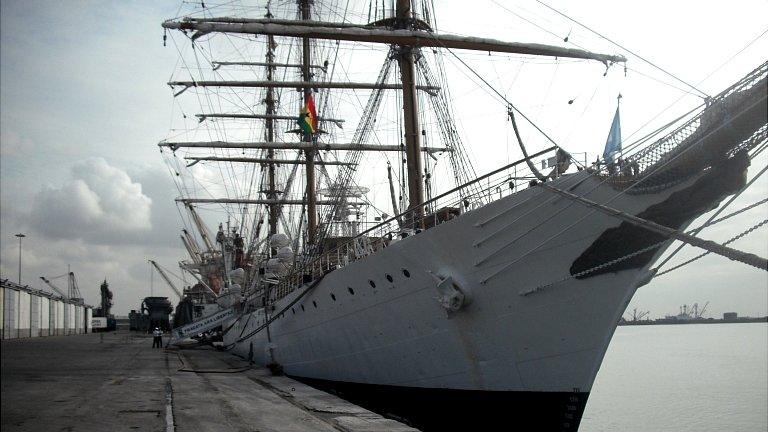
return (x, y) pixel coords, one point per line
(690, 312)
(205, 234)
(166, 279)
(54, 287)
(704, 309)
(73, 292)
(638, 316)
(696, 313)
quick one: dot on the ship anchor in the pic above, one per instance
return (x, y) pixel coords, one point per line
(451, 296)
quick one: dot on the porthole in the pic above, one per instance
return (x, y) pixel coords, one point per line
(333, 296)
(314, 303)
(389, 278)
(371, 283)
(406, 273)
(351, 291)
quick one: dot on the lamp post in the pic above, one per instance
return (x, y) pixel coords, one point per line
(20, 236)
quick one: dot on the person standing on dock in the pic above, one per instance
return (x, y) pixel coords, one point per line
(157, 338)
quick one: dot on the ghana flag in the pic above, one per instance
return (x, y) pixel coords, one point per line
(308, 116)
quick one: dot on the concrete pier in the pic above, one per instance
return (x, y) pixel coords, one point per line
(117, 382)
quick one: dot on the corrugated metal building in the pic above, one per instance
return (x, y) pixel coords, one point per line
(59, 305)
(25, 318)
(28, 312)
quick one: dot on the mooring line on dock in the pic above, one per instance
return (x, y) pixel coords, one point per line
(186, 368)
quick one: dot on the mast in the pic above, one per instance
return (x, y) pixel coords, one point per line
(294, 84)
(259, 201)
(217, 64)
(405, 32)
(270, 161)
(410, 117)
(295, 146)
(270, 126)
(202, 117)
(310, 152)
(416, 36)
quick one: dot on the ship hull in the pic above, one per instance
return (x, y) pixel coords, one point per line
(530, 342)
(435, 409)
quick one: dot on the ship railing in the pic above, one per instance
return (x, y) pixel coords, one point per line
(487, 188)
(696, 141)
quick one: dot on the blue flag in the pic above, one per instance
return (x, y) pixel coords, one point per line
(613, 143)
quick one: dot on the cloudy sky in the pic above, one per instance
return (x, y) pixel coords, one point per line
(84, 102)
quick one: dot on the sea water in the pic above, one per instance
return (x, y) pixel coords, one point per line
(692, 377)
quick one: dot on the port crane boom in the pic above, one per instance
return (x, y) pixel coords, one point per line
(54, 287)
(167, 279)
(202, 229)
(74, 290)
(704, 309)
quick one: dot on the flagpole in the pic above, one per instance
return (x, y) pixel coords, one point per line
(618, 105)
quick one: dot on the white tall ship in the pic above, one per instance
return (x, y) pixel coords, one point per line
(481, 298)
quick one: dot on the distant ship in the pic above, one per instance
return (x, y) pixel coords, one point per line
(485, 299)
(690, 315)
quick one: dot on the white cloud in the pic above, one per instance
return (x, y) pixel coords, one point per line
(99, 202)
(14, 144)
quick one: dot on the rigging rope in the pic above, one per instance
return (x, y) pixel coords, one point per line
(712, 220)
(510, 105)
(653, 272)
(705, 95)
(743, 257)
(731, 240)
(654, 170)
(461, 165)
(532, 167)
(732, 254)
(276, 315)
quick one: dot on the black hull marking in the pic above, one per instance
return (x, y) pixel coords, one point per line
(680, 207)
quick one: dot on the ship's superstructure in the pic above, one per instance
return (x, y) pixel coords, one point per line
(480, 296)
